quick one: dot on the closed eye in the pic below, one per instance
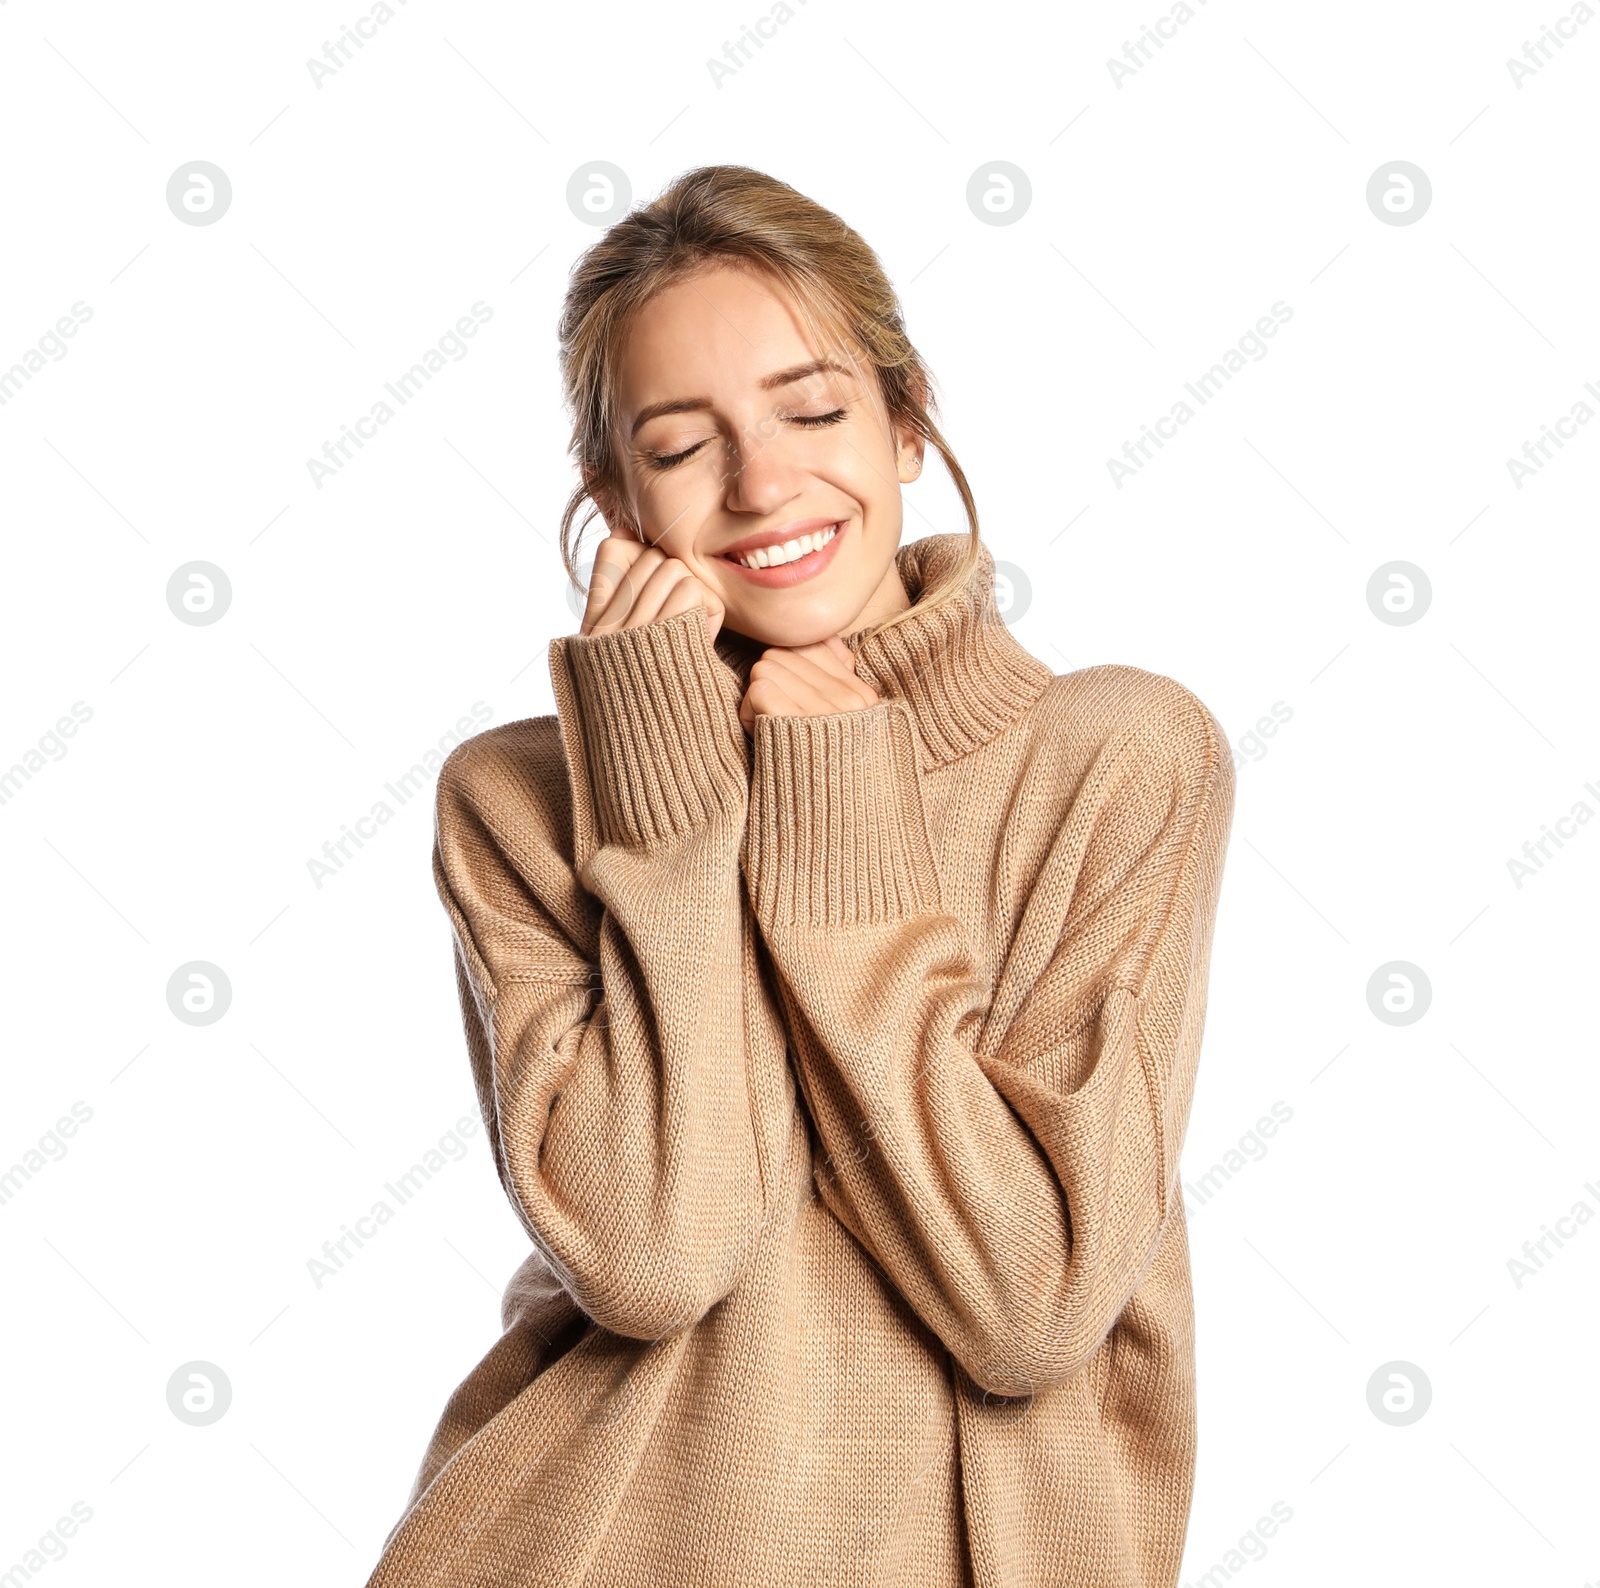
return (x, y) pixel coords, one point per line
(808, 421)
(814, 421)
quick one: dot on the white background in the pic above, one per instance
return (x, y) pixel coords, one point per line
(1168, 214)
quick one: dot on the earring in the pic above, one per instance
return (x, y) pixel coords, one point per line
(915, 463)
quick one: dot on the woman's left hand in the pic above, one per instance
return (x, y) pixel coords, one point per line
(807, 681)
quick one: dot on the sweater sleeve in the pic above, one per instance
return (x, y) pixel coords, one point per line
(604, 970)
(1010, 1163)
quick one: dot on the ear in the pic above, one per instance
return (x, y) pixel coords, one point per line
(908, 454)
(908, 444)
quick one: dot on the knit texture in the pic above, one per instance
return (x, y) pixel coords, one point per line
(839, 1077)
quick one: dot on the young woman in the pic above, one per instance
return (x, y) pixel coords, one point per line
(833, 976)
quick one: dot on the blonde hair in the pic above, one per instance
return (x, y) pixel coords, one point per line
(731, 213)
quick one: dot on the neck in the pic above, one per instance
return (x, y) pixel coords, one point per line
(890, 597)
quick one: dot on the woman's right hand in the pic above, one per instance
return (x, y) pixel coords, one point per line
(633, 584)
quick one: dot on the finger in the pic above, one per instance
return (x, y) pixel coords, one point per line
(649, 605)
(684, 594)
(607, 577)
(691, 591)
(614, 556)
(618, 604)
(832, 656)
(798, 670)
(619, 547)
(766, 698)
(814, 692)
(616, 553)
(846, 691)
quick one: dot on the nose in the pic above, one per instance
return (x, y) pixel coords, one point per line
(759, 478)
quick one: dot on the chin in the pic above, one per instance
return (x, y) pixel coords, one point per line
(793, 630)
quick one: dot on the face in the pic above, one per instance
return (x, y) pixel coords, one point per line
(732, 440)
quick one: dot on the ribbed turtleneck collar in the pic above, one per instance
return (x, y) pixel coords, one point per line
(958, 668)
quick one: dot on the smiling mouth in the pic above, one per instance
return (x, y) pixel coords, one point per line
(788, 551)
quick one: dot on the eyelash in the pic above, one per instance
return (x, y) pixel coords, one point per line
(810, 421)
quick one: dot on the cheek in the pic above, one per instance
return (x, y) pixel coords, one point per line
(674, 505)
(857, 460)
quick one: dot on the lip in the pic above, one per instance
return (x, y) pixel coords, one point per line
(788, 573)
(776, 537)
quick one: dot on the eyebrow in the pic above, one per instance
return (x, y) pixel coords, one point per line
(782, 377)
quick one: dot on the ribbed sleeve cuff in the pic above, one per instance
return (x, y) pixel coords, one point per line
(659, 726)
(837, 834)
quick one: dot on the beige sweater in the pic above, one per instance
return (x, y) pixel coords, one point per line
(839, 1079)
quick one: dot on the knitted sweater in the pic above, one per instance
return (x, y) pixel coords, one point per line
(839, 1078)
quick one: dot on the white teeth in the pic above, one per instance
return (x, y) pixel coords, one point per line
(802, 545)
